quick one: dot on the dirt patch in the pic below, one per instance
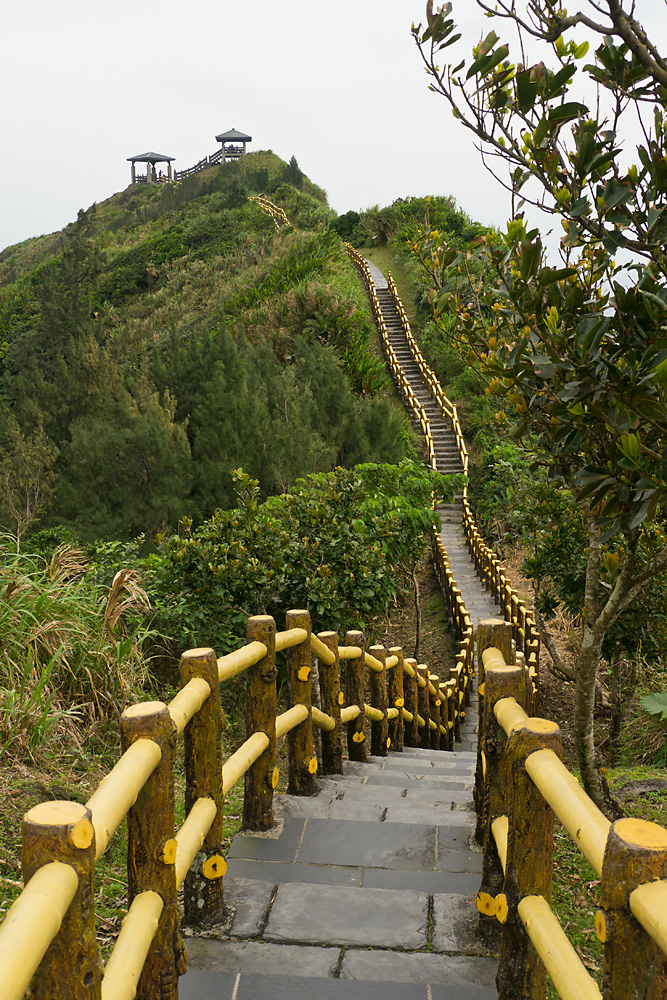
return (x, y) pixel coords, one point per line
(437, 645)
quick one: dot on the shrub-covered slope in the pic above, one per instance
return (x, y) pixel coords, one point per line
(170, 335)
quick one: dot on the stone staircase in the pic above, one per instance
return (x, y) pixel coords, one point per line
(365, 890)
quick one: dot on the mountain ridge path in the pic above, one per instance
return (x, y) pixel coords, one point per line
(366, 889)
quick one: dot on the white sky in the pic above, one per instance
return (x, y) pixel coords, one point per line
(340, 86)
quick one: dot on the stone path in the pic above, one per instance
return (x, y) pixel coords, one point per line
(480, 605)
(363, 891)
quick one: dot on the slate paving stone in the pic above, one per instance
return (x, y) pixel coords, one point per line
(282, 848)
(462, 993)
(422, 967)
(364, 845)
(430, 882)
(325, 806)
(206, 985)
(249, 899)
(408, 813)
(277, 873)
(399, 780)
(456, 923)
(260, 957)
(282, 988)
(349, 916)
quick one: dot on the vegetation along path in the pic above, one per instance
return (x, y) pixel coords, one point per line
(372, 880)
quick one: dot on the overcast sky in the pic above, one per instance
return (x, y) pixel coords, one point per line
(340, 86)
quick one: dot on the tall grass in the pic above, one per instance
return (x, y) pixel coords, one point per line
(70, 651)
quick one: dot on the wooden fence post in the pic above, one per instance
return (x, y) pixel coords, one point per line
(435, 706)
(151, 848)
(634, 966)
(262, 777)
(500, 682)
(423, 704)
(491, 632)
(332, 699)
(378, 695)
(395, 699)
(302, 759)
(203, 889)
(72, 966)
(410, 694)
(529, 864)
(355, 694)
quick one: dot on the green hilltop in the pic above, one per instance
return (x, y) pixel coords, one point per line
(170, 335)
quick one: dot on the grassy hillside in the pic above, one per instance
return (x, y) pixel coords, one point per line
(170, 335)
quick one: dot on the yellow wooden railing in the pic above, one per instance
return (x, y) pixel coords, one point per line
(48, 936)
(277, 214)
(525, 786)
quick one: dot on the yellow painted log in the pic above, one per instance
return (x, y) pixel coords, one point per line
(408, 716)
(290, 719)
(245, 757)
(649, 906)
(321, 651)
(420, 722)
(561, 961)
(373, 664)
(123, 969)
(391, 661)
(392, 713)
(500, 830)
(432, 725)
(289, 638)
(118, 792)
(239, 660)
(349, 714)
(192, 834)
(492, 657)
(373, 713)
(349, 652)
(31, 924)
(187, 702)
(324, 721)
(509, 714)
(588, 827)
(420, 681)
(408, 669)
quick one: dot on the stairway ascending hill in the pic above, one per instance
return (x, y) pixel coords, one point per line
(479, 604)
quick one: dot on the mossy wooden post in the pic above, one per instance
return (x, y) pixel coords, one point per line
(72, 967)
(151, 848)
(332, 699)
(261, 778)
(445, 737)
(500, 682)
(635, 968)
(302, 759)
(203, 890)
(395, 699)
(435, 706)
(491, 632)
(355, 694)
(378, 696)
(529, 863)
(423, 700)
(411, 697)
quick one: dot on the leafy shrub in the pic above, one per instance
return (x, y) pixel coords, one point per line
(336, 543)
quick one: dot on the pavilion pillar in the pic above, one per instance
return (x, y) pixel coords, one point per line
(169, 171)
(134, 173)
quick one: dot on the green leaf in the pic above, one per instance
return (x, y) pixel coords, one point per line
(551, 274)
(655, 704)
(567, 112)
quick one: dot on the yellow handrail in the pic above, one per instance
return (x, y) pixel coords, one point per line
(561, 961)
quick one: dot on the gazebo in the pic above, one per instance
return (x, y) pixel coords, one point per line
(150, 159)
(231, 150)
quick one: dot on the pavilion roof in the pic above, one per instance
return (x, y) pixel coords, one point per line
(151, 158)
(233, 135)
